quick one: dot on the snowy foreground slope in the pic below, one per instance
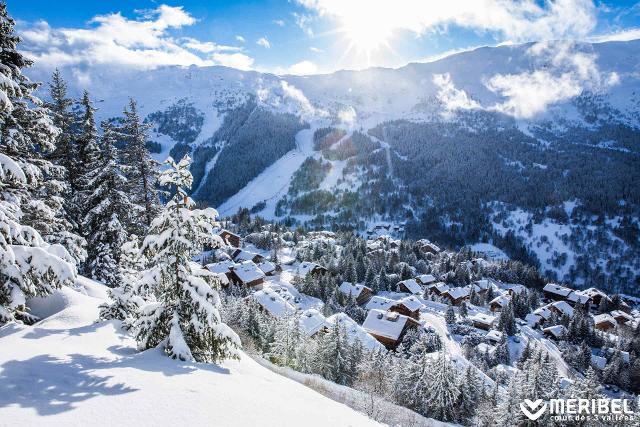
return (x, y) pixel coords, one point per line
(68, 370)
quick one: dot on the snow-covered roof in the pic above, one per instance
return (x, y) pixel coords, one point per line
(411, 303)
(273, 302)
(248, 272)
(515, 288)
(312, 321)
(501, 300)
(557, 330)
(620, 313)
(440, 287)
(378, 302)
(485, 348)
(349, 288)
(355, 331)
(604, 317)
(306, 267)
(457, 293)
(532, 319)
(563, 307)
(221, 267)
(578, 297)
(494, 335)
(245, 255)
(385, 324)
(482, 285)
(483, 318)
(426, 279)
(267, 267)
(592, 292)
(411, 285)
(543, 313)
(598, 361)
(557, 289)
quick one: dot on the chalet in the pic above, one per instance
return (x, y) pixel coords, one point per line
(556, 292)
(578, 297)
(595, 296)
(557, 331)
(246, 274)
(409, 306)
(222, 268)
(482, 321)
(494, 336)
(272, 303)
(426, 279)
(427, 247)
(379, 303)
(230, 239)
(533, 320)
(621, 317)
(240, 255)
(312, 322)
(438, 288)
(561, 308)
(312, 268)
(388, 327)
(456, 295)
(604, 322)
(268, 268)
(498, 303)
(360, 293)
(481, 286)
(409, 286)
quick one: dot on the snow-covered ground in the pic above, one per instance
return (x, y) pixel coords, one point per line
(68, 370)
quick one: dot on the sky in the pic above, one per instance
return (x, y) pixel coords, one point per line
(300, 36)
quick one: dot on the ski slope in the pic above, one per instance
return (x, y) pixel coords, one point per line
(68, 370)
(273, 182)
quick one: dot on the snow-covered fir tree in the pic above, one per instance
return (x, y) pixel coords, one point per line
(185, 319)
(142, 175)
(108, 210)
(29, 266)
(443, 389)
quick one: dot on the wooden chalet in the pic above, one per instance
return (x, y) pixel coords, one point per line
(313, 322)
(621, 317)
(269, 268)
(557, 332)
(556, 292)
(230, 239)
(223, 268)
(409, 306)
(561, 308)
(482, 321)
(272, 303)
(241, 255)
(246, 274)
(388, 327)
(359, 292)
(438, 288)
(426, 279)
(456, 295)
(604, 322)
(409, 286)
(312, 268)
(498, 303)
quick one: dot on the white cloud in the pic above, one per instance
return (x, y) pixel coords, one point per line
(561, 71)
(262, 41)
(450, 96)
(620, 36)
(303, 68)
(240, 39)
(315, 49)
(234, 60)
(521, 20)
(208, 47)
(278, 22)
(304, 23)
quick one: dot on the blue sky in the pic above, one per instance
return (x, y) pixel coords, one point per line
(300, 36)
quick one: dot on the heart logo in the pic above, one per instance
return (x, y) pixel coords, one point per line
(532, 410)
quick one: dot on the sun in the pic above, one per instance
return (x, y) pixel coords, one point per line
(366, 35)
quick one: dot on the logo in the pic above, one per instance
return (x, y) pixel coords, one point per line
(533, 410)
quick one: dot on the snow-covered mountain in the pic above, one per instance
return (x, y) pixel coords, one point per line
(533, 148)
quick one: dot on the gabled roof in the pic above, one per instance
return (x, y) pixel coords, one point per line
(312, 321)
(426, 279)
(604, 317)
(557, 330)
(385, 324)
(248, 272)
(221, 267)
(543, 313)
(620, 313)
(245, 255)
(272, 302)
(457, 293)
(349, 288)
(380, 303)
(482, 285)
(518, 289)
(578, 297)
(501, 300)
(307, 267)
(483, 318)
(412, 285)
(494, 335)
(563, 307)
(440, 287)
(557, 289)
(411, 303)
(267, 267)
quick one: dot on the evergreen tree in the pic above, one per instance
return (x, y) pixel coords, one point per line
(443, 389)
(462, 310)
(108, 210)
(186, 315)
(507, 322)
(29, 266)
(469, 394)
(450, 316)
(143, 174)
